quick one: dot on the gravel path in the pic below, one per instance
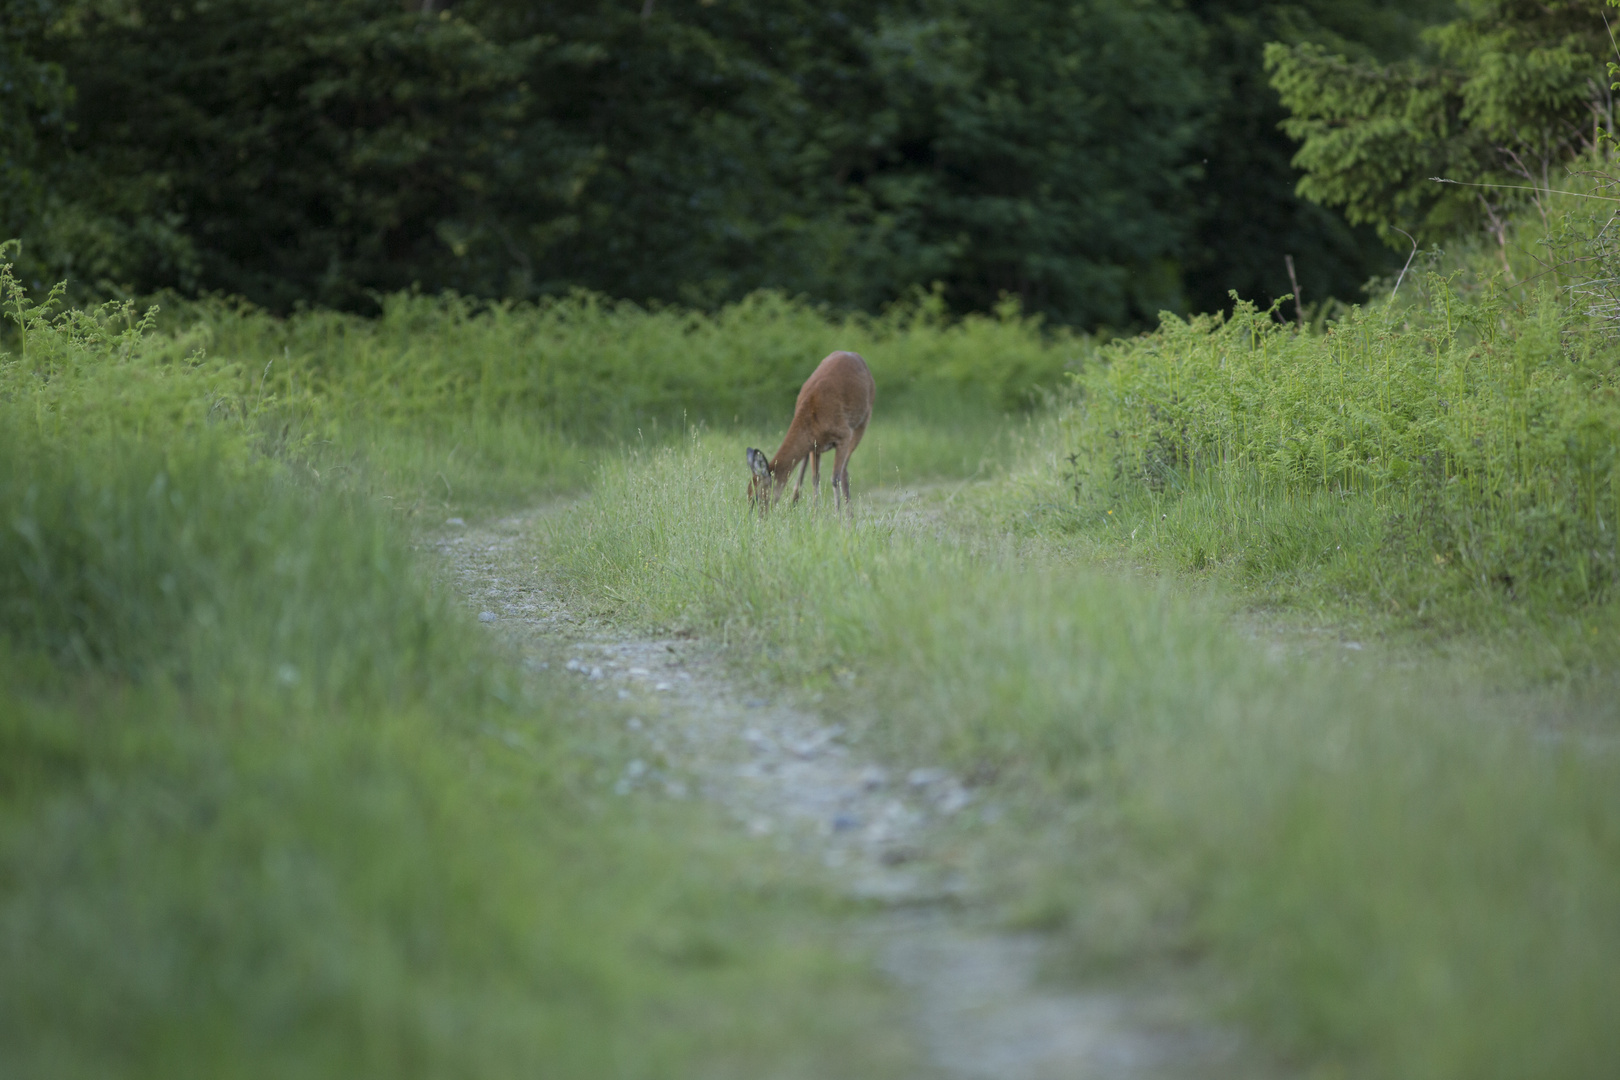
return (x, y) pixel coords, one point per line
(790, 777)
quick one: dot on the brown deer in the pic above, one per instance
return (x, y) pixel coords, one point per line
(834, 406)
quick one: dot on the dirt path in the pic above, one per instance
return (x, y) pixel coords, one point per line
(793, 778)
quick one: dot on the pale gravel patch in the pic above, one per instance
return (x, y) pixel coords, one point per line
(799, 780)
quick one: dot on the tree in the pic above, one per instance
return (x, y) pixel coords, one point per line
(1096, 159)
(1511, 89)
(34, 98)
(311, 150)
(1250, 215)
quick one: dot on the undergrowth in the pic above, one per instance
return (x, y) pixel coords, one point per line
(1452, 458)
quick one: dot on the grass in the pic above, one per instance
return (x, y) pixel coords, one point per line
(271, 803)
(1397, 880)
(1449, 462)
(590, 368)
(331, 829)
(445, 407)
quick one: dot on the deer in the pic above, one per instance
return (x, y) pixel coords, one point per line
(833, 409)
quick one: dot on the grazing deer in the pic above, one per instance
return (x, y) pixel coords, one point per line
(834, 406)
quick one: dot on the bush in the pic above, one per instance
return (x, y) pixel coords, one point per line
(1466, 442)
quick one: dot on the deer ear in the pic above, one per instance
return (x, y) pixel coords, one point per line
(757, 462)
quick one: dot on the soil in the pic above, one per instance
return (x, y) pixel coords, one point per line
(793, 778)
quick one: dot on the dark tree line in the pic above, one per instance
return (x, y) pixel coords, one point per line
(1098, 159)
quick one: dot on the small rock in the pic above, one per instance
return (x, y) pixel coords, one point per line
(486, 616)
(664, 686)
(758, 740)
(635, 769)
(1355, 645)
(683, 676)
(596, 673)
(845, 822)
(675, 789)
(953, 801)
(634, 723)
(921, 778)
(624, 695)
(574, 665)
(816, 743)
(897, 814)
(873, 777)
(760, 826)
(639, 671)
(756, 703)
(622, 787)
(454, 521)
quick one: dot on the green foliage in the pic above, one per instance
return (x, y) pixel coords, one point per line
(1512, 91)
(272, 804)
(505, 150)
(596, 369)
(1097, 161)
(1457, 453)
(1044, 147)
(34, 97)
(448, 403)
(1396, 880)
(1249, 214)
(1494, 455)
(445, 404)
(268, 805)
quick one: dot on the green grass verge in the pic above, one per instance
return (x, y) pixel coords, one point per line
(1396, 880)
(272, 804)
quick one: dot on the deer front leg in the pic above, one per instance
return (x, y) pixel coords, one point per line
(815, 473)
(840, 476)
(798, 485)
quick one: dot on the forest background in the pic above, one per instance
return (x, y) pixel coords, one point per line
(1100, 162)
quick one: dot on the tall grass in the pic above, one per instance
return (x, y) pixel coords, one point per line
(1456, 452)
(1397, 881)
(589, 368)
(272, 804)
(442, 404)
(1493, 455)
